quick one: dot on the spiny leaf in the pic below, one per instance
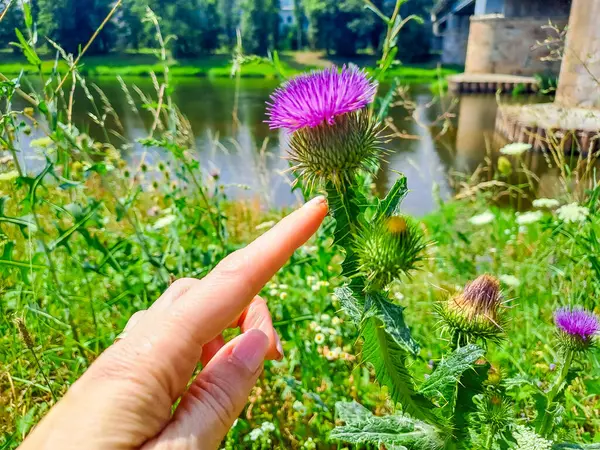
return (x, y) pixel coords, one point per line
(469, 385)
(441, 385)
(389, 360)
(390, 205)
(349, 303)
(392, 317)
(345, 212)
(394, 431)
(352, 412)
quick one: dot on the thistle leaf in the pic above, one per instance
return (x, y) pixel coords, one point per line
(388, 358)
(469, 385)
(345, 211)
(392, 317)
(394, 432)
(390, 205)
(441, 385)
(349, 303)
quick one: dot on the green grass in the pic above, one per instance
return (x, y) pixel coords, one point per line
(143, 64)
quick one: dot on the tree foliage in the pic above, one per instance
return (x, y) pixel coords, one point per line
(341, 27)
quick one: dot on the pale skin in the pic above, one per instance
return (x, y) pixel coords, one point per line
(125, 399)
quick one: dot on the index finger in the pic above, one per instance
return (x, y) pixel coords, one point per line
(172, 333)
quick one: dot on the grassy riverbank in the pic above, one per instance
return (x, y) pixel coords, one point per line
(143, 64)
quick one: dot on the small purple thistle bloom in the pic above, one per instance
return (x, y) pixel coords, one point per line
(577, 323)
(311, 99)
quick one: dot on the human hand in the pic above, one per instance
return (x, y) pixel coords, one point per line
(125, 399)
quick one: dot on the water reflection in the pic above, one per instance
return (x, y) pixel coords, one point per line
(231, 137)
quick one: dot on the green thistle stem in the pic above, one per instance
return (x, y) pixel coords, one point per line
(545, 427)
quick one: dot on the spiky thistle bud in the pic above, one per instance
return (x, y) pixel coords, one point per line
(577, 328)
(476, 313)
(387, 249)
(333, 135)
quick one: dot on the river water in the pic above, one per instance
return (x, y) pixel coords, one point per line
(250, 158)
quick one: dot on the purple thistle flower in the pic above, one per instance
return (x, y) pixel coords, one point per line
(311, 99)
(577, 323)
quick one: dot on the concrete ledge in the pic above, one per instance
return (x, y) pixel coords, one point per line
(549, 125)
(490, 83)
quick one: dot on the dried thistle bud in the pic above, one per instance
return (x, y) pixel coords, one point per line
(388, 249)
(476, 313)
(333, 135)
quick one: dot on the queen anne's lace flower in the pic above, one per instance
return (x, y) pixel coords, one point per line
(529, 217)
(572, 213)
(483, 218)
(545, 203)
(515, 149)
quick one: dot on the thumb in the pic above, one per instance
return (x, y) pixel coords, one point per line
(217, 396)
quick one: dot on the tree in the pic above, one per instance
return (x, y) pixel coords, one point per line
(71, 23)
(259, 25)
(229, 16)
(132, 32)
(12, 19)
(195, 23)
(415, 32)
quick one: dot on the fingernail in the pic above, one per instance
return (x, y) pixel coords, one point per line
(279, 346)
(251, 349)
(318, 200)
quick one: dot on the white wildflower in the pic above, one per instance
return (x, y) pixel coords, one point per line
(283, 287)
(483, 218)
(572, 213)
(319, 338)
(515, 149)
(267, 427)
(510, 280)
(313, 325)
(528, 440)
(529, 217)
(545, 203)
(255, 434)
(283, 295)
(273, 292)
(164, 221)
(399, 296)
(336, 321)
(325, 318)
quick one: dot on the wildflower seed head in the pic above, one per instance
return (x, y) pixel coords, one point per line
(577, 328)
(319, 97)
(336, 152)
(24, 332)
(388, 249)
(476, 313)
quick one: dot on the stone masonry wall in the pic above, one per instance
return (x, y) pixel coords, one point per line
(505, 45)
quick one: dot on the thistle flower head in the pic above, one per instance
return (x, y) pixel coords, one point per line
(333, 135)
(310, 100)
(577, 328)
(476, 313)
(388, 249)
